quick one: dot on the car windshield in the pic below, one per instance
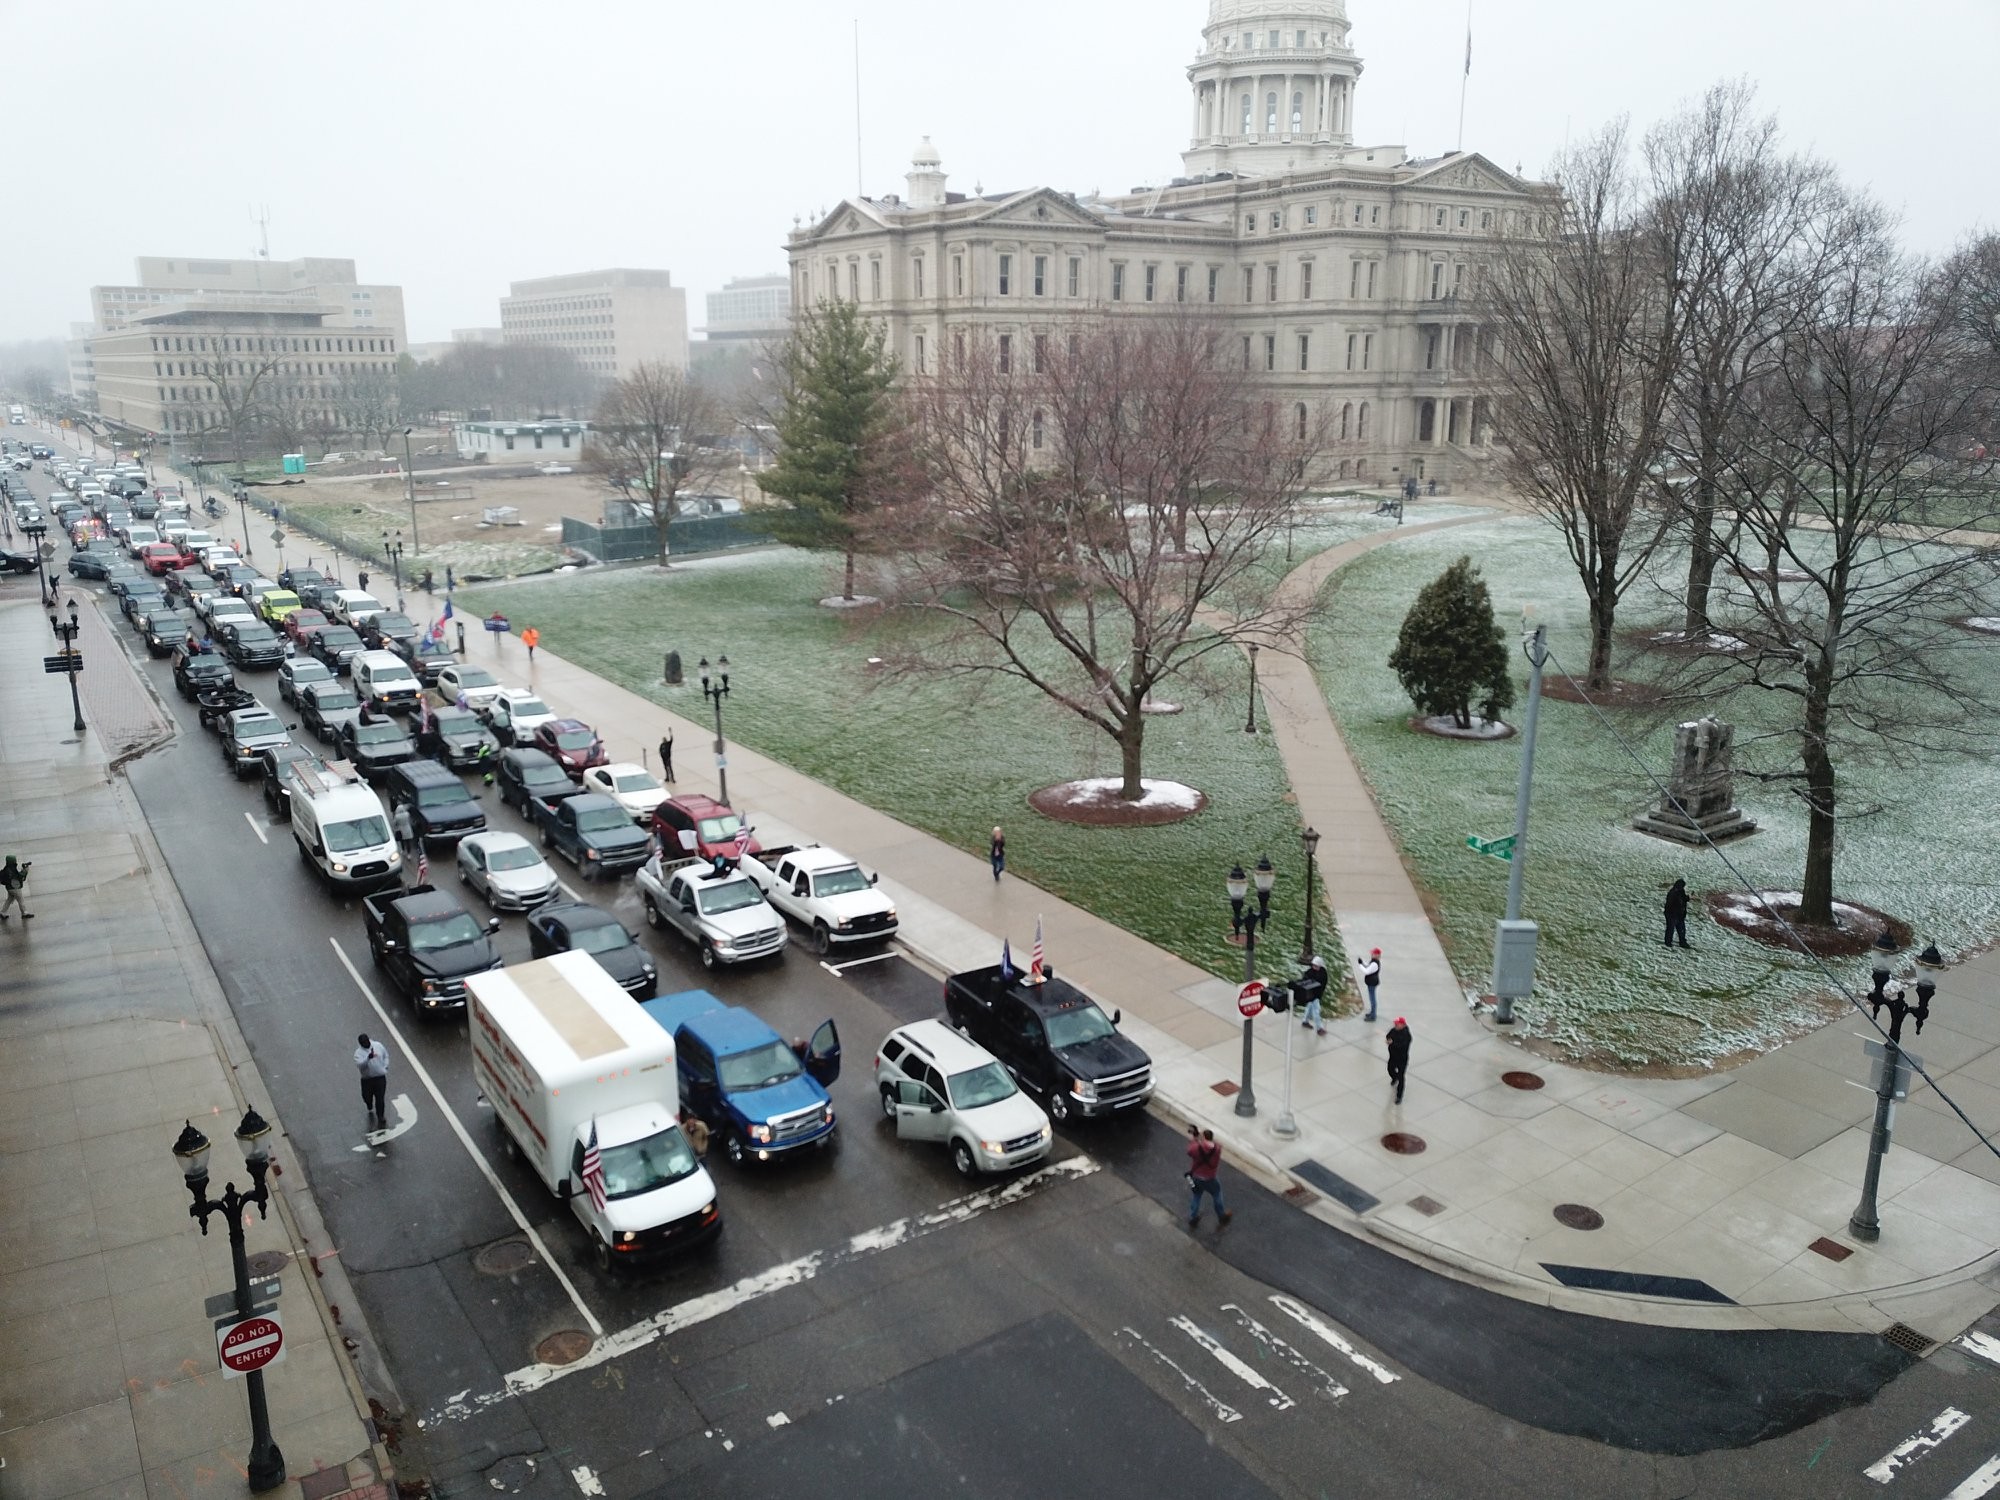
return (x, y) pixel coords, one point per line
(476, 677)
(635, 781)
(339, 638)
(246, 634)
(1084, 1024)
(519, 857)
(602, 819)
(377, 734)
(362, 833)
(386, 673)
(840, 882)
(732, 895)
(456, 721)
(715, 830)
(575, 739)
(606, 937)
(529, 708)
(305, 669)
(401, 623)
(251, 727)
(328, 702)
(550, 775)
(442, 796)
(645, 1165)
(760, 1067)
(986, 1084)
(445, 932)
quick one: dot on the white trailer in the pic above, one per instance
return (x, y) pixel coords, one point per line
(559, 1049)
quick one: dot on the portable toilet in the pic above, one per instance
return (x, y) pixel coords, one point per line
(295, 463)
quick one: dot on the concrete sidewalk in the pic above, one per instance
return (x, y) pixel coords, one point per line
(113, 1031)
(1719, 1201)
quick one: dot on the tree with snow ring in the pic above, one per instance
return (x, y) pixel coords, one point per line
(1451, 651)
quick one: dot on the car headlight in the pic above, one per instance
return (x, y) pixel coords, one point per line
(892, 914)
(589, 853)
(648, 970)
(339, 868)
(430, 986)
(760, 1132)
(627, 1236)
(1083, 1088)
(849, 922)
(1046, 1130)
(991, 1148)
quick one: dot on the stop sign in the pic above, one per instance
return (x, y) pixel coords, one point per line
(1250, 999)
(249, 1343)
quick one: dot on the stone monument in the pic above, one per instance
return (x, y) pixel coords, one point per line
(1700, 804)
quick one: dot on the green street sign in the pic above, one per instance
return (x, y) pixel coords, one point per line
(1501, 848)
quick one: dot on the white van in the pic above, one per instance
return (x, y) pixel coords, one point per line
(384, 679)
(341, 827)
(562, 1054)
(354, 607)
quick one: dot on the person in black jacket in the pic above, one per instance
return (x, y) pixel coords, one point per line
(1309, 989)
(1677, 914)
(1399, 1055)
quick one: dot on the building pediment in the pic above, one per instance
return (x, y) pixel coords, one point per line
(1038, 210)
(849, 217)
(1470, 171)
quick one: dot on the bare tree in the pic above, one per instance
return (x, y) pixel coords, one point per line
(1588, 342)
(1094, 516)
(1843, 582)
(1971, 289)
(235, 374)
(372, 410)
(645, 440)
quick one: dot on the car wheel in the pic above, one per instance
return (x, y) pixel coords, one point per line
(463, 878)
(709, 960)
(548, 839)
(963, 1159)
(653, 918)
(600, 1252)
(1058, 1105)
(735, 1149)
(822, 939)
(888, 1102)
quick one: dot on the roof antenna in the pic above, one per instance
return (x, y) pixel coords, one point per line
(860, 181)
(261, 217)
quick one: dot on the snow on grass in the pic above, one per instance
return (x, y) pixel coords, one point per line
(1605, 985)
(952, 758)
(1988, 623)
(1479, 729)
(1760, 911)
(1102, 791)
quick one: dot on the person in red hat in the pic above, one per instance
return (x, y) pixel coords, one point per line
(1399, 1056)
(1371, 975)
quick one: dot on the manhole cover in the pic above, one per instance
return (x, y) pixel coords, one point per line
(1403, 1143)
(267, 1262)
(505, 1258)
(1579, 1216)
(1519, 1080)
(564, 1348)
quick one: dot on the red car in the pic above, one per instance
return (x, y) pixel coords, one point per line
(162, 558)
(301, 623)
(571, 744)
(695, 824)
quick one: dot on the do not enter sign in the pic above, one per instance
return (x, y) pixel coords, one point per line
(1250, 999)
(246, 1344)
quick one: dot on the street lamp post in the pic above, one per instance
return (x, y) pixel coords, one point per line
(34, 531)
(410, 485)
(267, 1464)
(1864, 1224)
(1243, 928)
(1309, 841)
(715, 692)
(1250, 722)
(200, 485)
(243, 514)
(392, 551)
(67, 631)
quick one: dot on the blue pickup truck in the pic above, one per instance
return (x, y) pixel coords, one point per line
(761, 1098)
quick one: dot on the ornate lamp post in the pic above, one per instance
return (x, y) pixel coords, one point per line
(1309, 841)
(67, 631)
(267, 1464)
(393, 552)
(715, 691)
(1250, 720)
(1864, 1224)
(1243, 928)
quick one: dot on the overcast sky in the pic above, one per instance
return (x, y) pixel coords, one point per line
(454, 145)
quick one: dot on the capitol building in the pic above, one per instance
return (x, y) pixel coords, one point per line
(1348, 272)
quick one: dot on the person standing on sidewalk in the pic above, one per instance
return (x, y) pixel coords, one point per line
(14, 880)
(1371, 975)
(1677, 914)
(996, 852)
(531, 638)
(1311, 989)
(1399, 1056)
(372, 1058)
(667, 757)
(1204, 1164)
(406, 831)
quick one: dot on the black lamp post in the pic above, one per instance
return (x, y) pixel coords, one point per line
(1864, 1224)
(200, 487)
(1243, 927)
(243, 513)
(392, 553)
(34, 531)
(1309, 840)
(715, 691)
(67, 631)
(1250, 721)
(267, 1464)
(410, 484)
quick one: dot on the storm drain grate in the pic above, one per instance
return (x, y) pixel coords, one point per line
(1522, 1080)
(1402, 1143)
(1903, 1336)
(267, 1263)
(1578, 1216)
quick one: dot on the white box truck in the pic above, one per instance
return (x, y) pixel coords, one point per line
(559, 1050)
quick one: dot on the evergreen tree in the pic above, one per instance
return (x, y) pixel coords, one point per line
(1451, 651)
(834, 426)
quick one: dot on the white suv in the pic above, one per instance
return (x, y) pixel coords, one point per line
(937, 1086)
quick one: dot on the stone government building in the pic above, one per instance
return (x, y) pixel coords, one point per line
(1348, 272)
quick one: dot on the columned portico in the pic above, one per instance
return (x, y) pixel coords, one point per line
(1273, 87)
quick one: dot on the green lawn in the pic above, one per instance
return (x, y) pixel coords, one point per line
(952, 758)
(1606, 986)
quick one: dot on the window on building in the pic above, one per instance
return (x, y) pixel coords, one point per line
(1353, 343)
(1346, 418)
(1361, 424)
(1041, 276)
(1301, 428)
(1006, 275)
(917, 275)
(1270, 283)
(1439, 219)
(1246, 351)
(1458, 279)
(1367, 350)
(1464, 217)
(1271, 351)
(1076, 276)
(1006, 354)
(1430, 351)
(958, 276)
(1357, 213)
(1041, 353)
(1249, 223)
(1246, 101)
(1437, 279)
(1075, 349)
(1305, 281)
(1249, 39)
(853, 282)
(1305, 351)
(1372, 265)
(1312, 215)
(1298, 113)
(1036, 438)
(922, 369)
(1375, 213)
(1486, 219)
(1118, 281)
(1353, 279)
(1274, 39)
(1152, 282)
(1277, 219)
(1214, 282)
(1249, 283)
(958, 350)
(1301, 39)
(1271, 113)
(1180, 283)
(875, 279)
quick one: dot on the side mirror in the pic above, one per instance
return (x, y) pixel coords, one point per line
(875, 877)
(492, 924)
(1117, 1016)
(564, 1191)
(937, 1105)
(390, 945)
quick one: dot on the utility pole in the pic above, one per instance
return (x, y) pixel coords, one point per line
(1513, 939)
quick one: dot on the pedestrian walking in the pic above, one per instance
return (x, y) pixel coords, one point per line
(1399, 1056)
(361, 580)
(1677, 914)
(372, 1058)
(531, 638)
(450, 583)
(1371, 975)
(14, 880)
(996, 852)
(406, 832)
(1204, 1164)
(667, 757)
(695, 1128)
(1310, 987)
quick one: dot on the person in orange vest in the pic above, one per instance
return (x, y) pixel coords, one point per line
(531, 638)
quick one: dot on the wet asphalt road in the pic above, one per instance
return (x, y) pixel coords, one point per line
(1071, 1335)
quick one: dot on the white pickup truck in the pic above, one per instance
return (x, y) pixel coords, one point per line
(824, 891)
(723, 914)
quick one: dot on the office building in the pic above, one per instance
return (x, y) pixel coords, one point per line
(611, 321)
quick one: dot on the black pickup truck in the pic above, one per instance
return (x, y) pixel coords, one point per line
(427, 944)
(1053, 1038)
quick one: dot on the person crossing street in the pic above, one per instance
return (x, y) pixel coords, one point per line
(1203, 1175)
(372, 1058)
(14, 880)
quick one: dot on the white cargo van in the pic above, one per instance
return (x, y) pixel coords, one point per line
(560, 1051)
(342, 830)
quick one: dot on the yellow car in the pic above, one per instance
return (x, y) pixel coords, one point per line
(279, 603)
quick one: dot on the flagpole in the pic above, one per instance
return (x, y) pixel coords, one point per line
(1466, 79)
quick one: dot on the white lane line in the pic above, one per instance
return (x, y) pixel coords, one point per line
(254, 828)
(1981, 1481)
(406, 1116)
(1224, 1412)
(1299, 1314)
(776, 1278)
(465, 1139)
(1276, 1399)
(855, 963)
(569, 890)
(1329, 1387)
(586, 1481)
(1982, 1345)
(1916, 1446)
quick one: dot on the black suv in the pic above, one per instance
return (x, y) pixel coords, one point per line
(337, 646)
(199, 672)
(375, 747)
(525, 774)
(1053, 1039)
(250, 643)
(577, 926)
(166, 628)
(442, 808)
(457, 738)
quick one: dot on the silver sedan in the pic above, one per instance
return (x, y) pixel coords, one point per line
(507, 870)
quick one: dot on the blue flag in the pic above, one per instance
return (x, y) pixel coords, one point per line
(1006, 962)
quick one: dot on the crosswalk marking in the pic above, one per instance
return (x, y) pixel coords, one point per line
(1276, 1399)
(1329, 1387)
(1981, 1481)
(1916, 1446)
(1981, 1345)
(1299, 1314)
(1224, 1412)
